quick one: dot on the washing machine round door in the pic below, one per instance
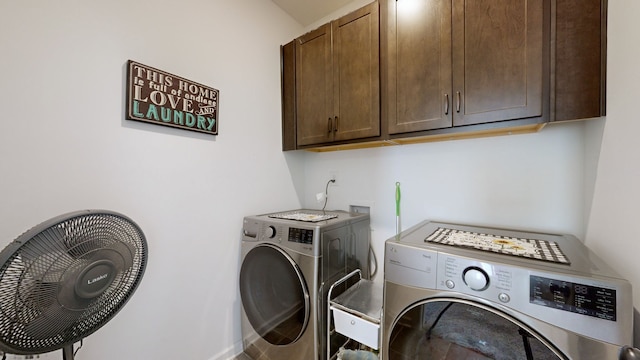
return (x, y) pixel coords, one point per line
(274, 295)
(460, 329)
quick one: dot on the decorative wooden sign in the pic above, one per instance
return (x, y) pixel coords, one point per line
(161, 98)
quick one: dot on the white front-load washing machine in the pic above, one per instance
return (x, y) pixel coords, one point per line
(289, 262)
(455, 291)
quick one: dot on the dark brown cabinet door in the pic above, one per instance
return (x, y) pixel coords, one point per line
(454, 62)
(314, 87)
(417, 46)
(288, 93)
(356, 74)
(580, 59)
(338, 81)
(497, 60)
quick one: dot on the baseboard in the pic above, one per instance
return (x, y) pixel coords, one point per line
(230, 353)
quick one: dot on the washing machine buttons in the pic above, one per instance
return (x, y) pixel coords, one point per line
(270, 232)
(475, 278)
(450, 284)
(505, 298)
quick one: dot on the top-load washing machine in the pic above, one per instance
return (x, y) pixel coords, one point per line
(289, 262)
(464, 292)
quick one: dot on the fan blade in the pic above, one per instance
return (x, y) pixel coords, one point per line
(64, 306)
(53, 320)
(46, 264)
(47, 267)
(41, 280)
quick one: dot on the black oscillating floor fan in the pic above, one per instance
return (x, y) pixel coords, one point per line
(67, 277)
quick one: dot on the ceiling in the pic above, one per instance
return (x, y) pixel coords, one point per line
(308, 11)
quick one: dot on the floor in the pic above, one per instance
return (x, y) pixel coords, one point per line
(436, 349)
(412, 345)
(457, 331)
(242, 356)
(439, 350)
(411, 348)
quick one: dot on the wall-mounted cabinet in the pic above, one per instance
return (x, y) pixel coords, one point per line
(288, 95)
(448, 69)
(579, 52)
(337, 80)
(454, 63)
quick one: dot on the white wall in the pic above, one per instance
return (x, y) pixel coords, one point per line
(352, 6)
(64, 146)
(531, 181)
(613, 224)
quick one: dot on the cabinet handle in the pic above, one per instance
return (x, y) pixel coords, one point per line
(329, 127)
(457, 101)
(335, 124)
(446, 104)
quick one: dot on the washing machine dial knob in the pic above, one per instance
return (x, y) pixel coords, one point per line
(475, 278)
(270, 232)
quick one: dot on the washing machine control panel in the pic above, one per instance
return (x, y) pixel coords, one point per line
(297, 238)
(587, 305)
(599, 302)
(270, 232)
(584, 305)
(303, 236)
(519, 287)
(476, 278)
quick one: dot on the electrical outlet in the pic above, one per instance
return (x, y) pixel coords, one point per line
(360, 209)
(333, 175)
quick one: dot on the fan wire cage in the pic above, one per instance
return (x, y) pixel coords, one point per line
(65, 278)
